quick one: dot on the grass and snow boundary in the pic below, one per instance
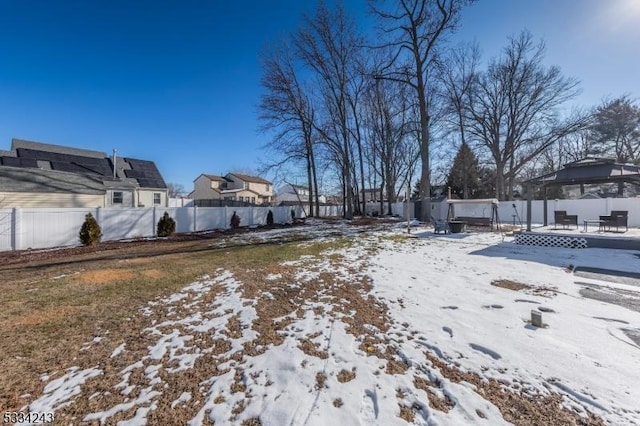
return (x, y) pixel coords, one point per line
(382, 331)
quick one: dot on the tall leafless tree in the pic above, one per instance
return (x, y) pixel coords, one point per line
(286, 108)
(330, 46)
(418, 27)
(390, 144)
(513, 111)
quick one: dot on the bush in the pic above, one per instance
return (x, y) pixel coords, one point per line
(235, 221)
(166, 225)
(90, 233)
(293, 215)
(270, 218)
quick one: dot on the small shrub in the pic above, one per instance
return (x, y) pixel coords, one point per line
(293, 215)
(270, 218)
(235, 221)
(90, 232)
(166, 226)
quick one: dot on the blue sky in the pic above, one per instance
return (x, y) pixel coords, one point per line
(177, 82)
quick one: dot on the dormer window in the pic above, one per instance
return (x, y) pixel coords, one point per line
(246, 185)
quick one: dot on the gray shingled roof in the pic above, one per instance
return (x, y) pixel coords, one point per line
(36, 155)
(17, 179)
(248, 178)
(59, 149)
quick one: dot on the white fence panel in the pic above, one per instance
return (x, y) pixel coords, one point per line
(6, 224)
(282, 215)
(208, 218)
(258, 216)
(243, 212)
(185, 219)
(180, 202)
(119, 223)
(56, 228)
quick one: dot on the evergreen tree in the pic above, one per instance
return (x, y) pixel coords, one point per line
(616, 130)
(90, 232)
(464, 177)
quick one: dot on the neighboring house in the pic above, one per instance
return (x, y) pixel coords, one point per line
(290, 193)
(232, 187)
(33, 188)
(134, 183)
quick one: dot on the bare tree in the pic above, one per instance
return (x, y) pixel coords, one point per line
(175, 190)
(389, 143)
(418, 27)
(513, 111)
(286, 108)
(330, 46)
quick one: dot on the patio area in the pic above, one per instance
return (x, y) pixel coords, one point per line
(594, 236)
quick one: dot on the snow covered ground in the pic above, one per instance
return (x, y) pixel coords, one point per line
(361, 335)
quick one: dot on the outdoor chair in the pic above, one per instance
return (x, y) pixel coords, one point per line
(617, 218)
(440, 225)
(562, 218)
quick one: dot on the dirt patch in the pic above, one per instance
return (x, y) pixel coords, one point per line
(105, 276)
(511, 285)
(517, 407)
(321, 378)
(45, 316)
(338, 402)
(406, 413)
(346, 376)
(312, 349)
(436, 402)
(154, 274)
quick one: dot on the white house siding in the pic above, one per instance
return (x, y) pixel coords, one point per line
(128, 198)
(202, 189)
(145, 197)
(49, 199)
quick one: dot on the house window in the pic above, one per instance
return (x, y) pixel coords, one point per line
(228, 198)
(267, 186)
(116, 197)
(253, 200)
(156, 198)
(246, 185)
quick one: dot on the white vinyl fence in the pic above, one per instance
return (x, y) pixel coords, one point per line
(510, 212)
(45, 228)
(325, 211)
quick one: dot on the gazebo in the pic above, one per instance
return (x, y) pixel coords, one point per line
(589, 170)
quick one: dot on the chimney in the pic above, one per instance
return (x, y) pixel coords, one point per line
(114, 163)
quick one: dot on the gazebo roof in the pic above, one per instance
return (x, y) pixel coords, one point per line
(590, 170)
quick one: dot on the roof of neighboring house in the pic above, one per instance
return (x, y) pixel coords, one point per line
(233, 191)
(247, 178)
(36, 155)
(19, 179)
(216, 178)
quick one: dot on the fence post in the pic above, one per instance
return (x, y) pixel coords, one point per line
(227, 225)
(250, 221)
(195, 215)
(16, 229)
(153, 222)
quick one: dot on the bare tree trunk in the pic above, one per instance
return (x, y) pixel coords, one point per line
(314, 177)
(310, 196)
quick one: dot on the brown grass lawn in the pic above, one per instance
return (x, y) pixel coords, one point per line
(52, 307)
